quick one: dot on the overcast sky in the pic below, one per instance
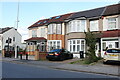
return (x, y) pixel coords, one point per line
(30, 12)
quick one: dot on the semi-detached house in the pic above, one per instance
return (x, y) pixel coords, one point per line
(79, 23)
(37, 37)
(67, 31)
(111, 28)
(56, 32)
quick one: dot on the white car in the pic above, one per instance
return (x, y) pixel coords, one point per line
(111, 55)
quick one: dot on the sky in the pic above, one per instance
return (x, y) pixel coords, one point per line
(32, 11)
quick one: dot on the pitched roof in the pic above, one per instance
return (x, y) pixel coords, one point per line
(39, 23)
(60, 18)
(35, 39)
(112, 10)
(2, 30)
(54, 19)
(88, 13)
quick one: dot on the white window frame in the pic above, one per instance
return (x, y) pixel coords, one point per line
(52, 45)
(55, 28)
(76, 26)
(94, 25)
(34, 33)
(71, 45)
(42, 32)
(116, 22)
(58, 28)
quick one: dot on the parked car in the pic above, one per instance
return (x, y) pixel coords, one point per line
(59, 54)
(111, 55)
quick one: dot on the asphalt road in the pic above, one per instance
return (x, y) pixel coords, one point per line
(13, 70)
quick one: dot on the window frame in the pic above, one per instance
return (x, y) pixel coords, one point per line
(96, 25)
(76, 26)
(34, 33)
(116, 23)
(70, 45)
(52, 45)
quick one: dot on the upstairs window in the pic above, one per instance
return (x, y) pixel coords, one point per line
(112, 23)
(34, 33)
(13, 38)
(77, 26)
(94, 25)
(54, 29)
(42, 32)
(59, 27)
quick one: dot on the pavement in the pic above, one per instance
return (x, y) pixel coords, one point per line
(113, 70)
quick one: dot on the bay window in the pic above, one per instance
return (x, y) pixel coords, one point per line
(76, 45)
(54, 29)
(77, 26)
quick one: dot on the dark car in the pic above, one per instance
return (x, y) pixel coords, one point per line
(59, 54)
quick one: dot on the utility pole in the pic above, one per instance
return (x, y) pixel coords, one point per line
(18, 15)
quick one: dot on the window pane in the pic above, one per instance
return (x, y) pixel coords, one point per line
(58, 44)
(110, 45)
(70, 47)
(78, 47)
(82, 42)
(73, 41)
(104, 46)
(54, 28)
(82, 25)
(34, 33)
(51, 29)
(58, 28)
(116, 45)
(70, 42)
(73, 48)
(112, 19)
(78, 41)
(94, 25)
(111, 23)
(82, 47)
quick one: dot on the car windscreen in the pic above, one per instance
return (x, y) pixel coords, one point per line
(113, 51)
(55, 50)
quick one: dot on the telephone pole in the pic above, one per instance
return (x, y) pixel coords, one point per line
(18, 14)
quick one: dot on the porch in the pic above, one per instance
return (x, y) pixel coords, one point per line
(36, 43)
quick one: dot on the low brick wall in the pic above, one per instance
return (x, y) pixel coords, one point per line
(42, 55)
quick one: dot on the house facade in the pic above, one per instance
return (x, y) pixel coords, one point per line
(111, 28)
(10, 40)
(68, 30)
(78, 24)
(37, 37)
(56, 32)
